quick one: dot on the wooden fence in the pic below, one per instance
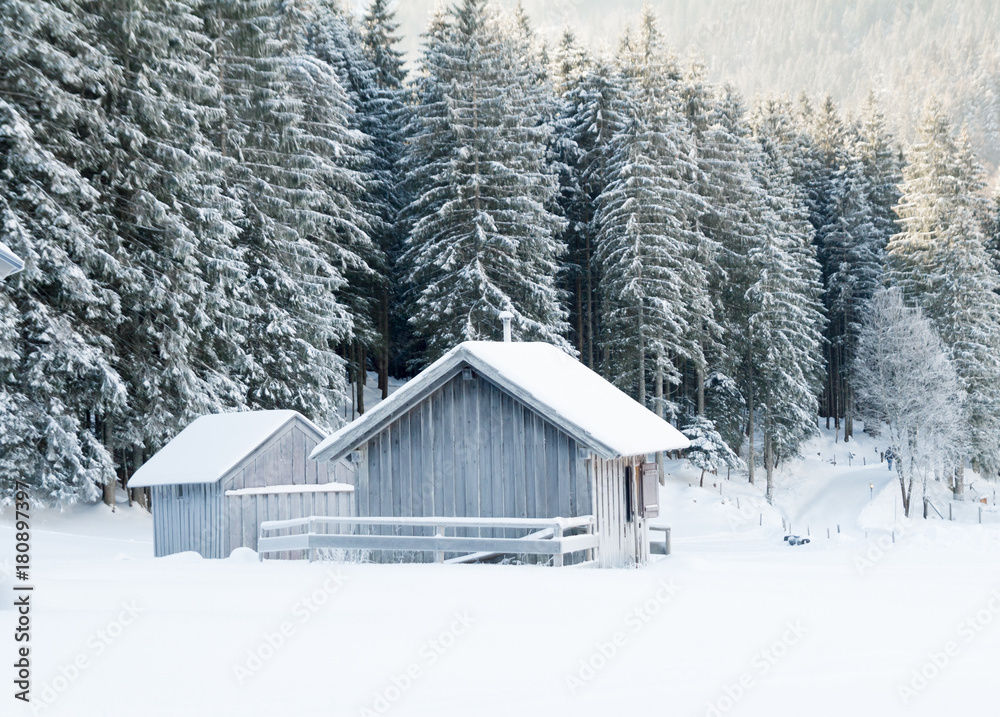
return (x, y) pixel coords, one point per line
(550, 536)
(963, 512)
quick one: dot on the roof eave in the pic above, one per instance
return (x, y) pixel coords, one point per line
(385, 412)
(369, 424)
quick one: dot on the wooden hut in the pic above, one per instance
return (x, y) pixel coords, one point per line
(224, 474)
(509, 430)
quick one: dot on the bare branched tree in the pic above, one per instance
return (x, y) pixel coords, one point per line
(906, 385)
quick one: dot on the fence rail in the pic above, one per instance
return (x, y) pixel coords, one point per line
(964, 512)
(549, 536)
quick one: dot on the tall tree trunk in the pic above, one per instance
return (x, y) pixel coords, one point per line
(642, 360)
(960, 480)
(138, 494)
(659, 412)
(362, 375)
(769, 458)
(834, 385)
(383, 364)
(848, 412)
(750, 428)
(588, 276)
(902, 480)
(700, 378)
(109, 486)
(578, 300)
(349, 355)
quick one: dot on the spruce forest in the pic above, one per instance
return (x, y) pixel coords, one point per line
(255, 205)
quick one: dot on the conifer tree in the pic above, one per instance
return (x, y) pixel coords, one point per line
(482, 234)
(294, 176)
(783, 321)
(727, 157)
(162, 196)
(874, 146)
(598, 113)
(571, 68)
(387, 111)
(940, 262)
(654, 294)
(60, 382)
(708, 450)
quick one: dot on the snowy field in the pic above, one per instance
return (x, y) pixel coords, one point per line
(734, 622)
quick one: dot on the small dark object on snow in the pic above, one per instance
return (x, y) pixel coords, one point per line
(795, 540)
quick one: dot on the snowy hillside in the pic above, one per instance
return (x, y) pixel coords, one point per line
(734, 622)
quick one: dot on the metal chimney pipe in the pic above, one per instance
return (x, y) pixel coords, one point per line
(505, 317)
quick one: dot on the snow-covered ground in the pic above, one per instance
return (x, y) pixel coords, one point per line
(735, 622)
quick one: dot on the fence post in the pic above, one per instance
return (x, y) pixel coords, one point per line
(950, 514)
(311, 551)
(557, 532)
(439, 555)
(666, 541)
(591, 529)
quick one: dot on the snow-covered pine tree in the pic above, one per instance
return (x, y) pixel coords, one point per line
(785, 321)
(992, 228)
(377, 98)
(854, 253)
(708, 450)
(875, 147)
(482, 234)
(286, 125)
(570, 70)
(60, 381)
(57, 356)
(598, 102)
(162, 196)
(654, 287)
(940, 262)
(735, 205)
(335, 38)
(387, 111)
(822, 179)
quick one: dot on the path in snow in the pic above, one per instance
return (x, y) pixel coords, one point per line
(831, 484)
(840, 499)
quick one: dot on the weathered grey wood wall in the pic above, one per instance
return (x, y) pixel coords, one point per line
(284, 460)
(247, 512)
(199, 517)
(188, 517)
(472, 450)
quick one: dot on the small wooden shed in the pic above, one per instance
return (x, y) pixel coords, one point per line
(509, 430)
(224, 474)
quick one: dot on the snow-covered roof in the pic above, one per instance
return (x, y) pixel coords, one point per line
(213, 445)
(9, 261)
(554, 384)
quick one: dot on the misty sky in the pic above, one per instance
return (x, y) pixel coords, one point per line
(903, 50)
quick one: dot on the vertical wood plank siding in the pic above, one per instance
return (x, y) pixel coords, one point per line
(204, 520)
(472, 450)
